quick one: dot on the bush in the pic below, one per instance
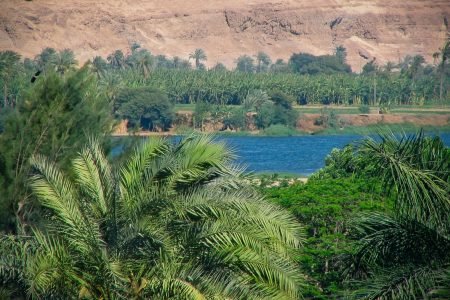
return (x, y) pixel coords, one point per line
(280, 130)
(235, 119)
(328, 118)
(277, 111)
(364, 109)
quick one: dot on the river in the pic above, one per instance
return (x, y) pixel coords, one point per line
(300, 155)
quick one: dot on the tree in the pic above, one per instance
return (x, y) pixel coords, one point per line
(55, 118)
(219, 67)
(276, 111)
(202, 111)
(405, 254)
(443, 67)
(304, 63)
(279, 67)
(9, 63)
(142, 61)
(173, 222)
(99, 66)
(46, 59)
(116, 59)
(147, 108)
(262, 62)
(245, 64)
(198, 55)
(341, 53)
(254, 100)
(65, 61)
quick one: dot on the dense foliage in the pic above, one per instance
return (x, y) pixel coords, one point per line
(54, 117)
(144, 108)
(327, 208)
(174, 221)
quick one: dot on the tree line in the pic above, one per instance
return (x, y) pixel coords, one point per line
(308, 79)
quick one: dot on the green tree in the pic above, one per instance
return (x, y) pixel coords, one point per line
(47, 59)
(54, 118)
(443, 68)
(280, 67)
(147, 108)
(142, 61)
(173, 222)
(65, 61)
(405, 254)
(9, 64)
(263, 62)
(341, 53)
(245, 64)
(254, 100)
(99, 66)
(202, 111)
(198, 56)
(116, 59)
(219, 67)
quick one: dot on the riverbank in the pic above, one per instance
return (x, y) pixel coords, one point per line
(313, 124)
(350, 130)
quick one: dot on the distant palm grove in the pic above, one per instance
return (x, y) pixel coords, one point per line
(179, 218)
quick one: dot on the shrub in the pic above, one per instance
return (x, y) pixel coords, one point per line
(364, 109)
(278, 129)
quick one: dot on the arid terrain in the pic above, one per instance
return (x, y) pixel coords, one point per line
(381, 29)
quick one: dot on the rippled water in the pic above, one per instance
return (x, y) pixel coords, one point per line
(298, 155)
(301, 155)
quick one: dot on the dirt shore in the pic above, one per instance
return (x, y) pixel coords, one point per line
(307, 123)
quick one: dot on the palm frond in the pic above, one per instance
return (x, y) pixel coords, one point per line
(57, 193)
(421, 193)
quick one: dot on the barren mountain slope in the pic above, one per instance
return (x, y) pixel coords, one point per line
(385, 29)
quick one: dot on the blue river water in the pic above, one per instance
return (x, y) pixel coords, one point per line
(302, 155)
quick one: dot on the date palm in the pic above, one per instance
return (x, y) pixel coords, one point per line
(405, 255)
(173, 222)
(116, 59)
(65, 61)
(198, 56)
(262, 62)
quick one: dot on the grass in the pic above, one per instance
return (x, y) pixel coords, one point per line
(184, 107)
(374, 128)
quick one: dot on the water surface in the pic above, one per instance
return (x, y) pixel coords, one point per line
(302, 155)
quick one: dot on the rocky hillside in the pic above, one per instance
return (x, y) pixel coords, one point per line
(385, 29)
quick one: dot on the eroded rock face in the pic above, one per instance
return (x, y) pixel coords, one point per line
(387, 30)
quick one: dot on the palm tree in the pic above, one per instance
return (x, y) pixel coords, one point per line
(173, 222)
(254, 100)
(46, 59)
(198, 55)
(245, 64)
(405, 255)
(8, 64)
(99, 66)
(65, 61)
(116, 59)
(143, 62)
(262, 62)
